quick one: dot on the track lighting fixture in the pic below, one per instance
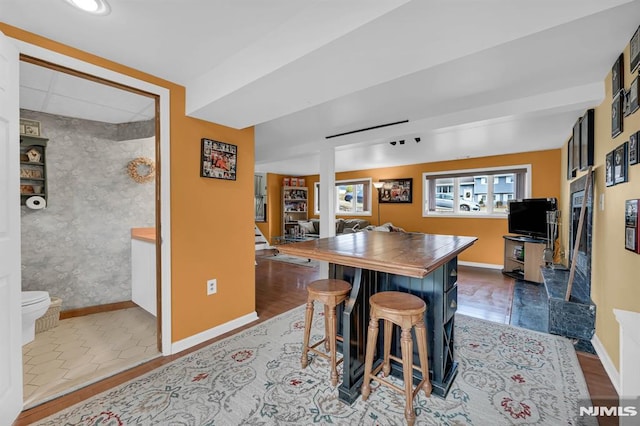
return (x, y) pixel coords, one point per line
(417, 140)
(401, 141)
(393, 143)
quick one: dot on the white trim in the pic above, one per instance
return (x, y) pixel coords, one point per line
(368, 212)
(481, 265)
(165, 157)
(480, 170)
(214, 332)
(489, 170)
(607, 363)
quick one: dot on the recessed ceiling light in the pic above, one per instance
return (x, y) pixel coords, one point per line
(95, 7)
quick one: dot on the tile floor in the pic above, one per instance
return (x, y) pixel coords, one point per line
(83, 350)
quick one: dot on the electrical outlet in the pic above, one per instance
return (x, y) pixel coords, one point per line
(212, 287)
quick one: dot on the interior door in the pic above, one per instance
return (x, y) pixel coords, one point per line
(10, 285)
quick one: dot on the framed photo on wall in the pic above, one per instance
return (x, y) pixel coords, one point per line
(634, 154)
(616, 115)
(571, 171)
(617, 75)
(586, 140)
(218, 160)
(608, 164)
(396, 191)
(634, 94)
(620, 164)
(634, 51)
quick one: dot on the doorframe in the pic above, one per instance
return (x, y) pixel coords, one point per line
(163, 196)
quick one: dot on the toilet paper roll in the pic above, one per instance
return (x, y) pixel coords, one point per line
(36, 203)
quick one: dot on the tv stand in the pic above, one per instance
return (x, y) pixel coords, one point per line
(523, 257)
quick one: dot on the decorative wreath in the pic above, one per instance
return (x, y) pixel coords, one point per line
(134, 169)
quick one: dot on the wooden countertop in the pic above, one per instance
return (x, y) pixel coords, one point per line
(144, 234)
(409, 254)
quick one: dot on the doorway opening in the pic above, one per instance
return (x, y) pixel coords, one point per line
(79, 247)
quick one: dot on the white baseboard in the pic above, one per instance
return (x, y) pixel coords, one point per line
(480, 265)
(196, 339)
(606, 363)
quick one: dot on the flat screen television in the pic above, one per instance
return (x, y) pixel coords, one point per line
(529, 216)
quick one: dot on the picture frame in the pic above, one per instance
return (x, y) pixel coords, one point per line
(608, 170)
(634, 152)
(634, 51)
(30, 127)
(571, 171)
(634, 95)
(631, 226)
(396, 191)
(617, 75)
(586, 140)
(620, 163)
(616, 115)
(218, 160)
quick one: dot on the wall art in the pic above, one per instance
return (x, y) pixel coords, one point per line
(608, 162)
(620, 163)
(616, 115)
(218, 160)
(634, 153)
(396, 191)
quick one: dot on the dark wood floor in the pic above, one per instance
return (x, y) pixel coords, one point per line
(280, 286)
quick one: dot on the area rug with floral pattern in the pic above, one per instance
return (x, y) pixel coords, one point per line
(507, 376)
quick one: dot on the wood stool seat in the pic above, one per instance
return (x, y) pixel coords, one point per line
(406, 311)
(330, 293)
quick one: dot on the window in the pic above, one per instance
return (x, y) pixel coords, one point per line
(477, 192)
(352, 197)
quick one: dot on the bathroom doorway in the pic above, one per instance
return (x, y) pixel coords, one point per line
(78, 247)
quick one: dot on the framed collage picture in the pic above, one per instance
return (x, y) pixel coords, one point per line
(218, 160)
(396, 191)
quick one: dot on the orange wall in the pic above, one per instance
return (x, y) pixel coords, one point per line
(210, 232)
(545, 168)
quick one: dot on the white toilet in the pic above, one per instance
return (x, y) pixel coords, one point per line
(34, 305)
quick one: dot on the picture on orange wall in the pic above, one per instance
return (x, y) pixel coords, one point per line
(396, 191)
(218, 160)
(634, 94)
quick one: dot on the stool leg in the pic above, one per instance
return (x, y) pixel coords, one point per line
(331, 337)
(327, 327)
(308, 317)
(388, 334)
(421, 335)
(372, 336)
(406, 344)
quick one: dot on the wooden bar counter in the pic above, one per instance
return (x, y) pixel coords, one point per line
(421, 264)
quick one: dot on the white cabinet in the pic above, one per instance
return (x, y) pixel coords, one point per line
(143, 269)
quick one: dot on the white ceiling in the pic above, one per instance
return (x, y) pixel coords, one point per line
(472, 77)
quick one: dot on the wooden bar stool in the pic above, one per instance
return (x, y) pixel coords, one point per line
(406, 311)
(331, 293)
